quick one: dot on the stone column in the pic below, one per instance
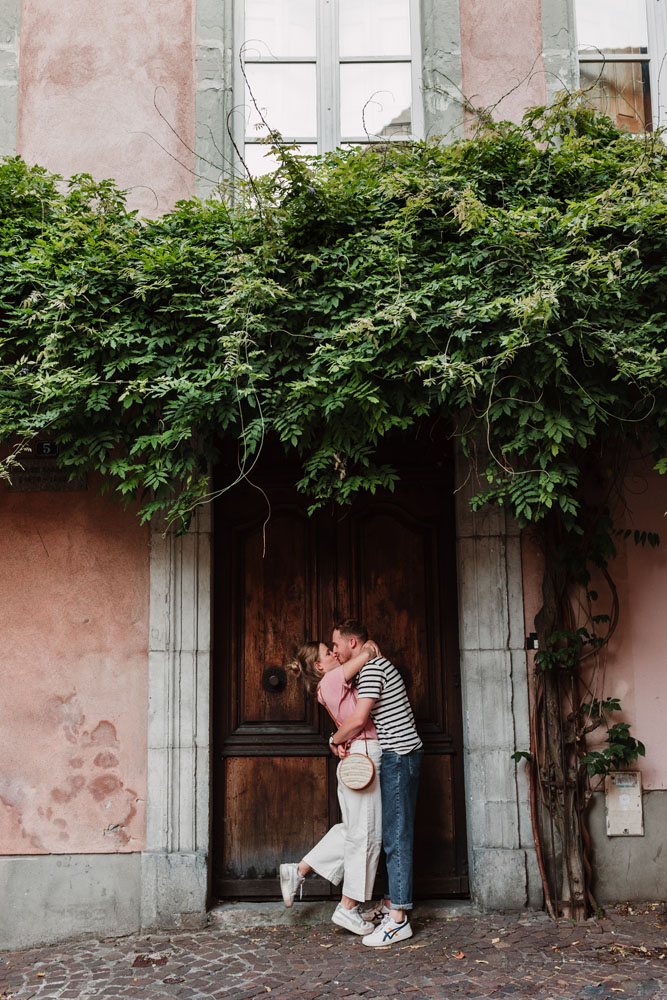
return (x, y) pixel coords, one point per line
(559, 47)
(174, 864)
(215, 60)
(10, 19)
(494, 688)
(442, 73)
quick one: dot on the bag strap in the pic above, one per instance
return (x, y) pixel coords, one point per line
(335, 720)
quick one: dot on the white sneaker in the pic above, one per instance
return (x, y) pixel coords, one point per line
(290, 881)
(351, 920)
(377, 912)
(388, 932)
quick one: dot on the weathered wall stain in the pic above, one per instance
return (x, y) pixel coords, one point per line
(104, 786)
(104, 734)
(74, 786)
(105, 759)
(46, 826)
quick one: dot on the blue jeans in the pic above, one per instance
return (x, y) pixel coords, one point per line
(399, 781)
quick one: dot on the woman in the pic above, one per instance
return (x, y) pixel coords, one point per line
(350, 851)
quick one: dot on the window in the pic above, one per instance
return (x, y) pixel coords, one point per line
(326, 73)
(622, 46)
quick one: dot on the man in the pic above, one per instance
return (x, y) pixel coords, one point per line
(381, 695)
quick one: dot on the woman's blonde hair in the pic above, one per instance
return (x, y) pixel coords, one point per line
(303, 664)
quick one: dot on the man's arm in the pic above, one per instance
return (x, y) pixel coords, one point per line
(355, 663)
(352, 725)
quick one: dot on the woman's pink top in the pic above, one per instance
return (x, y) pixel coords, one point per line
(339, 697)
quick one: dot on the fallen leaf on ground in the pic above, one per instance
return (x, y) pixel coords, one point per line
(459, 954)
(481, 961)
(149, 961)
(327, 945)
(40, 975)
(412, 946)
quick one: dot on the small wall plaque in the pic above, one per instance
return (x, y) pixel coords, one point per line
(623, 798)
(43, 475)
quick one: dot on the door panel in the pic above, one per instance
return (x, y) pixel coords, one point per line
(438, 870)
(258, 789)
(277, 602)
(282, 577)
(396, 580)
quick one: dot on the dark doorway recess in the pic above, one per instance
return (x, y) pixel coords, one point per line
(281, 576)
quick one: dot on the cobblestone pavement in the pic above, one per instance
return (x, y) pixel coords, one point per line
(525, 957)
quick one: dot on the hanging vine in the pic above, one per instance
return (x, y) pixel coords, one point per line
(512, 285)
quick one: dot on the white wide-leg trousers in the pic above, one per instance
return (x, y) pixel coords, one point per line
(350, 851)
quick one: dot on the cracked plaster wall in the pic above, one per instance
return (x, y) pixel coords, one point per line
(74, 590)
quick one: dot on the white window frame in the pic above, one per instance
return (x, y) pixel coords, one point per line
(327, 61)
(656, 57)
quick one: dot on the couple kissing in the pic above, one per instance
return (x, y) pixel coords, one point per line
(365, 695)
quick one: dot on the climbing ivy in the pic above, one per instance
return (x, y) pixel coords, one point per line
(512, 284)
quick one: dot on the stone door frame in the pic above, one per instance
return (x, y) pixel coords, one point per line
(494, 691)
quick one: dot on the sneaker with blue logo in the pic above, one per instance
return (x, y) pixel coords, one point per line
(388, 933)
(378, 911)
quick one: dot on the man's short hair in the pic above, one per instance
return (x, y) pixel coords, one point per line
(352, 626)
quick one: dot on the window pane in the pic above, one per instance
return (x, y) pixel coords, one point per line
(377, 95)
(620, 90)
(286, 97)
(369, 28)
(612, 25)
(279, 28)
(261, 160)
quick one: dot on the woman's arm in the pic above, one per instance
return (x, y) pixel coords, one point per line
(351, 726)
(355, 663)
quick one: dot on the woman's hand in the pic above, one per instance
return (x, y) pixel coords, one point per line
(373, 648)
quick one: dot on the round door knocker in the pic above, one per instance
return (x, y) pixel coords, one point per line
(274, 680)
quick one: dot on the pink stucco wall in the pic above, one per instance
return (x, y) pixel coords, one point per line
(501, 54)
(74, 613)
(634, 667)
(89, 74)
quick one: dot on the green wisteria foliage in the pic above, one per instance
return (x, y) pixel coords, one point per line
(513, 284)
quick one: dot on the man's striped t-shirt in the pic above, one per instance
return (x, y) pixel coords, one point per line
(380, 680)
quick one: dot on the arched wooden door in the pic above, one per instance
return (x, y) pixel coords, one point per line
(281, 577)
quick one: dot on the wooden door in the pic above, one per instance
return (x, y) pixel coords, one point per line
(281, 577)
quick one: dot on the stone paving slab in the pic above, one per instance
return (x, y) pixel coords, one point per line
(515, 956)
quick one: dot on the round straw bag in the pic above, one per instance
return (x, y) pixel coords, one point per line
(356, 771)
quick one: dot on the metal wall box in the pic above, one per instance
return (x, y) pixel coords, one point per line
(623, 799)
